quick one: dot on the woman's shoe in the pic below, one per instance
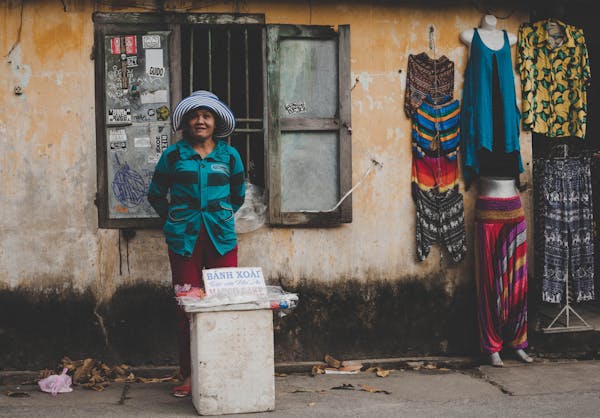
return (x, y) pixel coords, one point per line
(181, 391)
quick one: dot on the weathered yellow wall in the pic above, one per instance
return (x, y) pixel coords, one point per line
(48, 222)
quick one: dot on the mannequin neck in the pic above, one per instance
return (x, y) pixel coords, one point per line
(488, 22)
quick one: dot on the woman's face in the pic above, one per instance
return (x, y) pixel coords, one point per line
(200, 124)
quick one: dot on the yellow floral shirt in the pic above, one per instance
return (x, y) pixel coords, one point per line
(554, 66)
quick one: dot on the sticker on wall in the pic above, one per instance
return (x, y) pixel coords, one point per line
(117, 135)
(161, 143)
(115, 45)
(141, 142)
(295, 107)
(118, 146)
(151, 41)
(132, 61)
(158, 96)
(121, 209)
(131, 45)
(119, 115)
(154, 63)
(162, 113)
(117, 139)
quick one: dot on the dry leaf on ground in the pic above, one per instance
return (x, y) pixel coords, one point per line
(345, 386)
(332, 362)
(18, 394)
(317, 369)
(382, 373)
(370, 389)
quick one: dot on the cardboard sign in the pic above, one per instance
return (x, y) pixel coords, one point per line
(234, 281)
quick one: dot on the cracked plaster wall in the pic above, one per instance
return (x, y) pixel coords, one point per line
(50, 235)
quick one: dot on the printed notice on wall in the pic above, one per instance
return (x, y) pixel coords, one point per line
(154, 63)
(151, 41)
(234, 281)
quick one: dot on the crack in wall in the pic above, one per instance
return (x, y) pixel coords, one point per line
(102, 327)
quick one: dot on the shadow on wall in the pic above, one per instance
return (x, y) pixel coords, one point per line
(353, 320)
(348, 320)
(39, 328)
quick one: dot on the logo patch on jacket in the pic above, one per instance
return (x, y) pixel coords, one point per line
(222, 168)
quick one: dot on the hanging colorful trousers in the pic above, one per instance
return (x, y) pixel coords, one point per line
(568, 229)
(501, 273)
(440, 220)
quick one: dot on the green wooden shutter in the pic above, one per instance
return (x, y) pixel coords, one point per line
(308, 125)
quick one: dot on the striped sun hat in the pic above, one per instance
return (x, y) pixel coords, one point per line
(225, 123)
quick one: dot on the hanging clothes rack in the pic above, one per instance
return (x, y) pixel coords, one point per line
(567, 310)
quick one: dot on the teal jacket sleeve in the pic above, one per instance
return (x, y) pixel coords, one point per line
(159, 187)
(237, 180)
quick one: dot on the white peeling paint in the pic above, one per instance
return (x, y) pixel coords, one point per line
(358, 104)
(22, 72)
(364, 79)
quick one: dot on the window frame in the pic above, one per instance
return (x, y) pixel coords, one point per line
(276, 124)
(136, 23)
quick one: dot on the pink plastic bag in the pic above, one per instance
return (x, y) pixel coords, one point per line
(56, 383)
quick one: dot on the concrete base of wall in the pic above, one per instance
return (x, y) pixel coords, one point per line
(349, 320)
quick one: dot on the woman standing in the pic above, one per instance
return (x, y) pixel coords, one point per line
(203, 178)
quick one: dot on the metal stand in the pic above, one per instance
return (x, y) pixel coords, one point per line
(567, 310)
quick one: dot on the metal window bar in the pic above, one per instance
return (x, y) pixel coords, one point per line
(245, 125)
(192, 60)
(209, 40)
(247, 84)
(228, 60)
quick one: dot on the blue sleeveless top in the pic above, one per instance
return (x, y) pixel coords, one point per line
(477, 117)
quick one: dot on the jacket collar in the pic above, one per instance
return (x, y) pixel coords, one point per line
(220, 153)
(542, 33)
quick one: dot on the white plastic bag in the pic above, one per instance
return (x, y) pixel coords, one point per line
(56, 383)
(252, 214)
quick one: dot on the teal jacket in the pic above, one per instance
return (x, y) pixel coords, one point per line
(191, 193)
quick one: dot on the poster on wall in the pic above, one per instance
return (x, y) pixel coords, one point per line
(137, 118)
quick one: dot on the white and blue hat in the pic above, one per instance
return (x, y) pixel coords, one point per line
(225, 123)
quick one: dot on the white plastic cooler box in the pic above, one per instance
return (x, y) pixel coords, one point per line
(232, 357)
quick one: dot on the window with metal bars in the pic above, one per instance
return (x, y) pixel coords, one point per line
(227, 60)
(288, 86)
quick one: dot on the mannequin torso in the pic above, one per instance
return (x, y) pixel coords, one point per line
(492, 38)
(497, 187)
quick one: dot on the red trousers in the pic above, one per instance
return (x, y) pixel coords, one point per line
(188, 270)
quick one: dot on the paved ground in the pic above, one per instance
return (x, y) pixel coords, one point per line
(556, 388)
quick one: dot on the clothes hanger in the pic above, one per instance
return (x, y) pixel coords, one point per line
(562, 150)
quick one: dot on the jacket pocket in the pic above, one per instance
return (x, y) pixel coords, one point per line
(177, 214)
(229, 211)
